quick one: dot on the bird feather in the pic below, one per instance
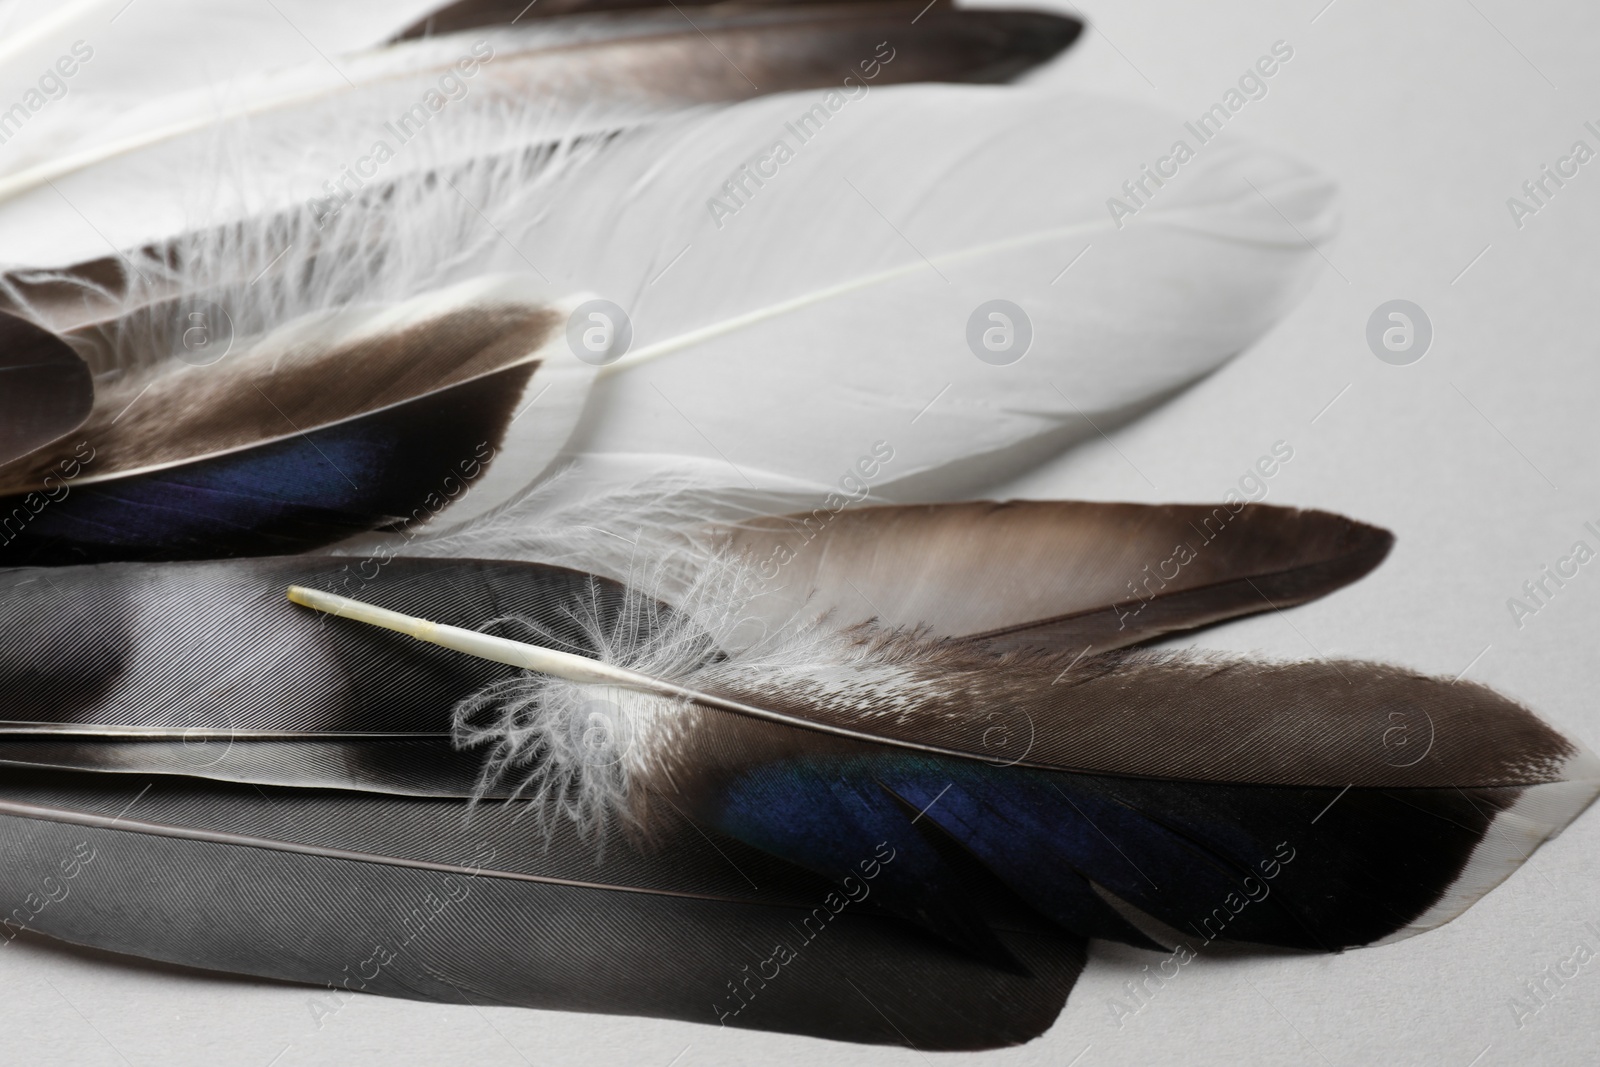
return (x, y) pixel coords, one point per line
(695, 715)
(596, 72)
(473, 203)
(47, 389)
(353, 894)
(1127, 795)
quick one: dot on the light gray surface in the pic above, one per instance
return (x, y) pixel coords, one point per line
(1481, 458)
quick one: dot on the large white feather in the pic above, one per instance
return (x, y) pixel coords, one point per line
(815, 326)
(831, 311)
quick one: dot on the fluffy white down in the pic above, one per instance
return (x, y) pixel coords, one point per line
(582, 751)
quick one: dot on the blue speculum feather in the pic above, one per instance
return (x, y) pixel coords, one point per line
(292, 495)
(269, 500)
(1208, 861)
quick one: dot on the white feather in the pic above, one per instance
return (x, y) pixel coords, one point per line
(856, 268)
(827, 318)
(150, 50)
(275, 141)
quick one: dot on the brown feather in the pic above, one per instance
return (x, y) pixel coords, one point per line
(471, 14)
(45, 388)
(982, 45)
(1323, 723)
(175, 413)
(1080, 576)
(662, 58)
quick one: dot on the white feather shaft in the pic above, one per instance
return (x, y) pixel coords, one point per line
(579, 669)
(485, 646)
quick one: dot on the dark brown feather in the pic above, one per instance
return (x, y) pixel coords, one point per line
(1079, 576)
(999, 43)
(175, 413)
(659, 58)
(46, 391)
(1316, 724)
(472, 14)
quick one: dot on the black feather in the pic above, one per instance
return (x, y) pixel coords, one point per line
(406, 898)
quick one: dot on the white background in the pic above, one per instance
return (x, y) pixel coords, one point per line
(1480, 457)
